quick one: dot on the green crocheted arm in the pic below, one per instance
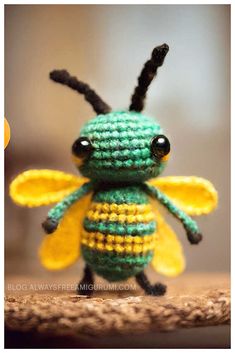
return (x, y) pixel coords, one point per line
(188, 223)
(57, 212)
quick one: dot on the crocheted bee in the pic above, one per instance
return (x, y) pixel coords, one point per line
(107, 215)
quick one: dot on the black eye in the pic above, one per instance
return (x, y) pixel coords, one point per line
(160, 146)
(82, 147)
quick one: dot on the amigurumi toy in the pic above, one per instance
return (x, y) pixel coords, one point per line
(107, 215)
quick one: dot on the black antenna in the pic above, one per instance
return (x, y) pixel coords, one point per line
(63, 77)
(148, 72)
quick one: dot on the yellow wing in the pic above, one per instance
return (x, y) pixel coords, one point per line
(194, 195)
(35, 188)
(168, 258)
(62, 248)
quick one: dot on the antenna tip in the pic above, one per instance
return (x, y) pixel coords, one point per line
(159, 53)
(59, 75)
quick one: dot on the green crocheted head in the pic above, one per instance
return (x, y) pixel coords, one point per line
(121, 146)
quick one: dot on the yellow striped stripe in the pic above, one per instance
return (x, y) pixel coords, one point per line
(121, 218)
(120, 244)
(128, 209)
(123, 213)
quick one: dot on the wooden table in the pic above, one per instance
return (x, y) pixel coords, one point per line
(195, 313)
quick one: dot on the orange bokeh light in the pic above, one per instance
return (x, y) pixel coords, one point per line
(7, 133)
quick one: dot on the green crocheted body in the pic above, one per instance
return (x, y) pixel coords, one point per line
(111, 265)
(121, 142)
(114, 267)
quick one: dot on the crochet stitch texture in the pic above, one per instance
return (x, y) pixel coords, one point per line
(121, 147)
(108, 215)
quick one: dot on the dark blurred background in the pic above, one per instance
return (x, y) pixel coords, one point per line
(106, 47)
